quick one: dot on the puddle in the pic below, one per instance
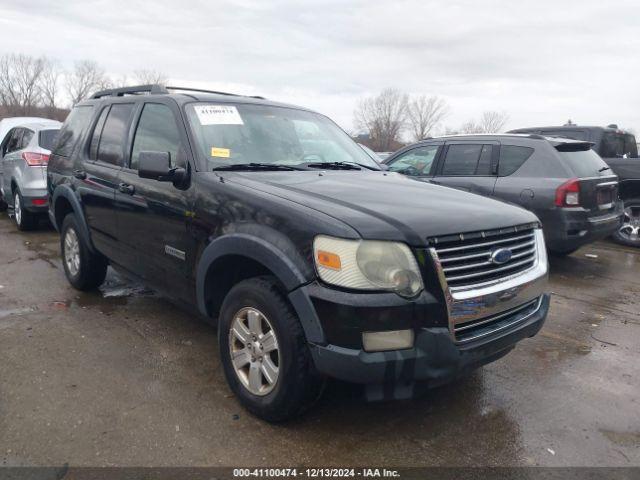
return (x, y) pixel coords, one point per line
(112, 294)
(626, 439)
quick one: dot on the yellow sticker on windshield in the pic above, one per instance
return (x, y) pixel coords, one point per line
(220, 152)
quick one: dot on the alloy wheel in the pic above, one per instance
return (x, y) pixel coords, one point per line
(17, 208)
(630, 228)
(254, 351)
(72, 252)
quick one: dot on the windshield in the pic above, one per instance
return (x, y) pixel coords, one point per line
(585, 163)
(241, 134)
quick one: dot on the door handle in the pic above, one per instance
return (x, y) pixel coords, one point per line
(80, 174)
(126, 188)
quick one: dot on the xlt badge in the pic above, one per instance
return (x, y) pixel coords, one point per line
(174, 252)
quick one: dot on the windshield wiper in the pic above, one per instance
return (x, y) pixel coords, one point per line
(255, 166)
(339, 165)
(604, 168)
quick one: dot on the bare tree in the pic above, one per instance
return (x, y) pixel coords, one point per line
(493, 122)
(470, 127)
(20, 77)
(383, 116)
(86, 77)
(150, 77)
(49, 83)
(424, 114)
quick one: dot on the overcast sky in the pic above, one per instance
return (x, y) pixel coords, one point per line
(541, 62)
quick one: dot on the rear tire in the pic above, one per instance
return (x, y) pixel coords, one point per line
(24, 219)
(259, 328)
(629, 232)
(84, 270)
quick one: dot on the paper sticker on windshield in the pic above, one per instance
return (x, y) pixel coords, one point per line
(218, 115)
(220, 152)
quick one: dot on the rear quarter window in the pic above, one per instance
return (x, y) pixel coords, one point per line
(47, 138)
(612, 145)
(72, 130)
(512, 157)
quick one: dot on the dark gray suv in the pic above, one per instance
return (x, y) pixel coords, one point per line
(619, 150)
(565, 183)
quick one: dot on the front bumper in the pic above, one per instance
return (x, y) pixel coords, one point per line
(567, 229)
(455, 332)
(434, 360)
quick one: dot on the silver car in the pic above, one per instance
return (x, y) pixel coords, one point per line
(25, 153)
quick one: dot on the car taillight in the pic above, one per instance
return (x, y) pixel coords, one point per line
(35, 159)
(568, 194)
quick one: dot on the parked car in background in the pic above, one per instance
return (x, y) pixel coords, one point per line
(619, 149)
(271, 222)
(564, 182)
(7, 124)
(24, 154)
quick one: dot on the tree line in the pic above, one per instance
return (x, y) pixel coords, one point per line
(40, 86)
(392, 114)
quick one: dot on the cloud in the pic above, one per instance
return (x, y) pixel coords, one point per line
(542, 62)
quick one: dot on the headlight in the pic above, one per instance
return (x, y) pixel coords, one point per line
(367, 265)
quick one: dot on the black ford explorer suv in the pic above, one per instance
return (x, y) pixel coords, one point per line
(562, 181)
(618, 148)
(270, 221)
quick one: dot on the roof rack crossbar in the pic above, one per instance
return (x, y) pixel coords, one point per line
(134, 90)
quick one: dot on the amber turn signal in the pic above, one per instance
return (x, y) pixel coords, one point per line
(329, 260)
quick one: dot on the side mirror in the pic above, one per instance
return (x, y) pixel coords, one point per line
(157, 166)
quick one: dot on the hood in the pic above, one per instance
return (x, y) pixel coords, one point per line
(385, 205)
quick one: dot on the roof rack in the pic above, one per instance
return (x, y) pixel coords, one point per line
(135, 90)
(216, 92)
(159, 90)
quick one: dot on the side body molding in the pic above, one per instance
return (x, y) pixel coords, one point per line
(68, 194)
(276, 261)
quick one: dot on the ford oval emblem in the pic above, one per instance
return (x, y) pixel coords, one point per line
(501, 255)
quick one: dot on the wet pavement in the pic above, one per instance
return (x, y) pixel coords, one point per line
(122, 377)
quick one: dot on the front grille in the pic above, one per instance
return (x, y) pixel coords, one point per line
(476, 329)
(466, 259)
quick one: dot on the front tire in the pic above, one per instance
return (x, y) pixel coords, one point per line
(84, 270)
(629, 232)
(24, 219)
(264, 351)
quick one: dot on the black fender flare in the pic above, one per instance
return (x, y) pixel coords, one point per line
(274, 259)
(69, 195)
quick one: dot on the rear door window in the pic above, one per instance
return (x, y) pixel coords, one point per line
(467, 160)
(72, 130)
(13, 143)
(512, 157)
(95, 136)
(114, 134)
(47, 138)
(415, 162)
(585, 163)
